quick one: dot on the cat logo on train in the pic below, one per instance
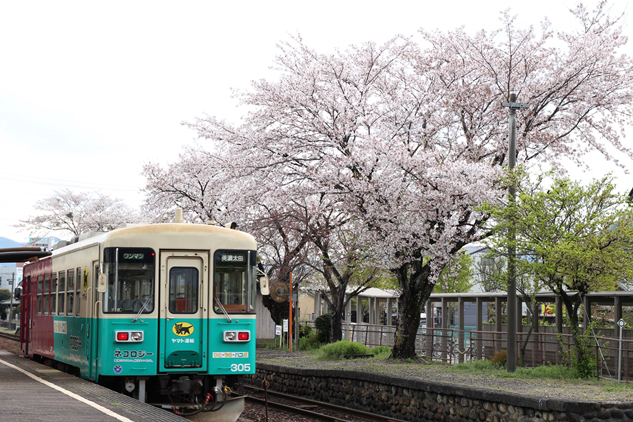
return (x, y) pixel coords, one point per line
(182, 329)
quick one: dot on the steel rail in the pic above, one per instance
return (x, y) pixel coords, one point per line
(319, 404)
(295, 410)
(10, 336)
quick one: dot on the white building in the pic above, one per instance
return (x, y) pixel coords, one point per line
(9, 273)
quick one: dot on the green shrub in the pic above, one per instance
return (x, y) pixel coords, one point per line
(344, 347)
(310, 342)
(323, 325)
(305, 330)
(581, 357)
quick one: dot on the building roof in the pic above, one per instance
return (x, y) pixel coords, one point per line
(374, 292)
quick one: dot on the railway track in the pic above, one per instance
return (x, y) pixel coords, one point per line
(14, 337)
(312, 409)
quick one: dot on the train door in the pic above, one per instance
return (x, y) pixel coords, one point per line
(184, 309)
(25, 315)
(90, 297)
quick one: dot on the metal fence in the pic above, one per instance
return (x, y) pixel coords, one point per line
(540, 348)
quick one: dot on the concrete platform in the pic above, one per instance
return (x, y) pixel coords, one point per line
(32, 392)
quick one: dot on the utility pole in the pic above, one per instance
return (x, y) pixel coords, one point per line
(511, 355)
(290, 318)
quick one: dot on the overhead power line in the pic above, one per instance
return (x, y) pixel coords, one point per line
(66, 183)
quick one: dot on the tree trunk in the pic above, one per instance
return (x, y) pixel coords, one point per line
(337, 312)
(524, 347)
(415, 292)
(336, 333)
(573, 325)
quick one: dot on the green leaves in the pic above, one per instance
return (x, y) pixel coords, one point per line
(568, 236)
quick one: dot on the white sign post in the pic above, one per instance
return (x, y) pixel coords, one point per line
(278, 333)
(285, 324)
(621, 324)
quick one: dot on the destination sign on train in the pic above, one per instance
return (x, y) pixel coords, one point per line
(232, 258)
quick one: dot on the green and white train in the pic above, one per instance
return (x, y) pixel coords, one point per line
(164, 312)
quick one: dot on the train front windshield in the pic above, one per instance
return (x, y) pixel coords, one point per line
(234, 286)
(130, 274)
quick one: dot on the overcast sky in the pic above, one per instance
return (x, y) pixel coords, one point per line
(92, 90)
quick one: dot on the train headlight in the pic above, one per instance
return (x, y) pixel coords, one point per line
(129, 336)
(136, 336)
(237, 336)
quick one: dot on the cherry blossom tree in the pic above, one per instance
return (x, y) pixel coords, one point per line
(577, 84)
(190, 183)
(342, 263)
(579, 95)
(78, 212)
(410, 141)
(283, 242)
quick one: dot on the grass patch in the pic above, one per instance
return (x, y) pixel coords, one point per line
(335, 351)
(488, 367)
(269, 344)
(618, 388)
(381, 352)
(553, 372)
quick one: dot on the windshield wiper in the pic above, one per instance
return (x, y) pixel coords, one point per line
(226, 314)
(141, 310)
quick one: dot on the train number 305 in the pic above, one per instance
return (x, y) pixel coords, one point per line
(241, 367)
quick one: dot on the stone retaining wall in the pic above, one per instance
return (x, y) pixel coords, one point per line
(414, 400)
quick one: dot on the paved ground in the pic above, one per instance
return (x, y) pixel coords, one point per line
(34, 392)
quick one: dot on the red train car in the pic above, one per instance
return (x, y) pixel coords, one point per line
(37, 337)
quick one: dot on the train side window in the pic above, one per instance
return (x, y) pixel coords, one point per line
(32, 286)
(78, 292)
(39, 293)
(54, 295)
(183, 290)
(46, 294)
(61, 293)
(70, 292)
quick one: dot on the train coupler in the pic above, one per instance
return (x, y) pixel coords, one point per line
(185, 385)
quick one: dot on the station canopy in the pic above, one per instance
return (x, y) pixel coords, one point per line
(22, 254)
